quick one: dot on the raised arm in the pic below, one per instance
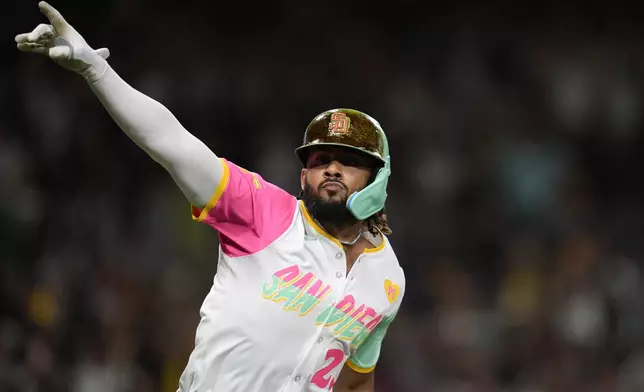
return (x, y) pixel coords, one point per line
(193, 166)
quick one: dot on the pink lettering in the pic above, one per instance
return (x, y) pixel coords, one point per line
(367, 313)
(288, 274)
(323, 292)
(372, 324)
(357, 312)
(316, 290)
(348, 301)
(303, 281)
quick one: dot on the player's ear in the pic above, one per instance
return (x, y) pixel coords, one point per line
(302, 179)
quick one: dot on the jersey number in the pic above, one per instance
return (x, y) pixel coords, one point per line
(321, 378)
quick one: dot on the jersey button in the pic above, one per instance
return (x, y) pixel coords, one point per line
(338, 274)
(338, 255)
(298, 378)
(320, 339)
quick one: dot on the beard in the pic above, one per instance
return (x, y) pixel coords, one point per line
(327, 213)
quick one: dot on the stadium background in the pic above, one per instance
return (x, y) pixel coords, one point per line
(516, 198)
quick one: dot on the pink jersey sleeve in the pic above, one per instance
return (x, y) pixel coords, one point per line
(248, 212)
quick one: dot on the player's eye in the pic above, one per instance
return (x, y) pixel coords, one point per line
(320, 159)
(324, 159)
(349, 161)
(352, 160)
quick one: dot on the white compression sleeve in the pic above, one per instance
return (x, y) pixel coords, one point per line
(193, 166)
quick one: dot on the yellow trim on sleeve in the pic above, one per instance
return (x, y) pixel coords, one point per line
(358, 369)
(221, 187)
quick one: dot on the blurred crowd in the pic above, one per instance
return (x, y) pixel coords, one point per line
(516, 199)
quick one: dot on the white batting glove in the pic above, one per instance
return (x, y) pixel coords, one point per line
(61, 43)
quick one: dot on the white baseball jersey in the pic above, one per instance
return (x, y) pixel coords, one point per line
(284, 314)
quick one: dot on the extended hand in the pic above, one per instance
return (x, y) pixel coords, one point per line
(63, 44)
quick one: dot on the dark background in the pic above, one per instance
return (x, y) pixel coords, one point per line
(516, 198)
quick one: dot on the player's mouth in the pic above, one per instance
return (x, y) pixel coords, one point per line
(333, 186)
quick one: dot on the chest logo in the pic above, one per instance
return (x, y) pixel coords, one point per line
(392, 290)
(301, 292)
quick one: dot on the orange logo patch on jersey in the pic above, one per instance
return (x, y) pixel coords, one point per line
(339, 123)
(392, 290)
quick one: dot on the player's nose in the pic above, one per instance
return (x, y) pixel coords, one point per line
(333, 169)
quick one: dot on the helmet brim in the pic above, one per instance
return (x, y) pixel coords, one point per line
(303, 152)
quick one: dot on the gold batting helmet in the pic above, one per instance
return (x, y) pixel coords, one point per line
(359, 131)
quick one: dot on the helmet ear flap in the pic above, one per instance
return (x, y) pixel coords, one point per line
(372, 198)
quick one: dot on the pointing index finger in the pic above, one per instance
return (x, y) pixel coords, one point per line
(55, 18)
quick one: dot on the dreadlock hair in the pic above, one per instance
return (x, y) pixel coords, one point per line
(378, 222)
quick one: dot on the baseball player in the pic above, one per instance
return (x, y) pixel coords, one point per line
(305, 287)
